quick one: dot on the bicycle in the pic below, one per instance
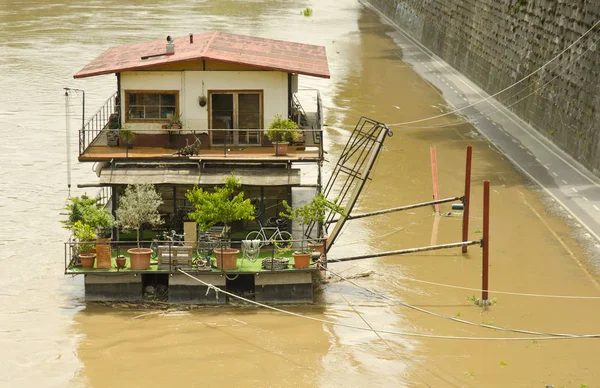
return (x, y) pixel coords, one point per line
(281, 238)
(168, 238)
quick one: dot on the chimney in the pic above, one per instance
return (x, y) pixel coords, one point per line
(191, 38)
(170, 46)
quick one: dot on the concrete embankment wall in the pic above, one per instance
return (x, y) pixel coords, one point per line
(496, 43)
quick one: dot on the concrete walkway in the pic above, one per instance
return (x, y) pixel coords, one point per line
(565, 180)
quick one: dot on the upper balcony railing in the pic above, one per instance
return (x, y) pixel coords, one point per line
(98, 122)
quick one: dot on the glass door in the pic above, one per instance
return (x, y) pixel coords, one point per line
(239, 111)
(222, 118)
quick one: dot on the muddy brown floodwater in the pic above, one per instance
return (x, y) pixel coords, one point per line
(50, 337)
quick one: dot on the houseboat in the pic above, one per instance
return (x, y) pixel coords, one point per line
(188, 112)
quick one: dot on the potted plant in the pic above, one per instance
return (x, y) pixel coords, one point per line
(202, 100)
(85, 246)
(175, 122)
(221, 206)
(280, 132)
(89, 211)
(127, 135)
(314, 211)
(138, 206)
(112, 136)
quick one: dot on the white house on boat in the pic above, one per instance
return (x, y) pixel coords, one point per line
(196, 107)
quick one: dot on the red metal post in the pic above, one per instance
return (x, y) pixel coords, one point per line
(434, 178)
(465, 229)
(486, 239)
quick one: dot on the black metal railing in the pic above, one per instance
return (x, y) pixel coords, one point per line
(98, 122)
(171, 257)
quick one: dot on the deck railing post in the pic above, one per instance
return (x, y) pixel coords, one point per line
(466, 200)
(486, 245)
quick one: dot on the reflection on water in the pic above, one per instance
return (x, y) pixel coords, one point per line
(52, 338)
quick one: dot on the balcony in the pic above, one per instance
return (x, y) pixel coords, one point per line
(99, 139)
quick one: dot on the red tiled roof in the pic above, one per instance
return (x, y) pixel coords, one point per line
(266, 54)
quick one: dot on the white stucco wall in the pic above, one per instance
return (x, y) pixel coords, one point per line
(189, 83)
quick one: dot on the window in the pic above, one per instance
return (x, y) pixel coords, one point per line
(240, 111)
(151, 106)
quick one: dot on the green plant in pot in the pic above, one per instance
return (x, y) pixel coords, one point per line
(281, 132)
(139, 206)
(86, 247)
(175, 121)
(127, 135)
(314, 211)
(221, 206)
(89, 211)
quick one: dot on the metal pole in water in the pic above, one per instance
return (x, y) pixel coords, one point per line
(486, 245)
(466, 200)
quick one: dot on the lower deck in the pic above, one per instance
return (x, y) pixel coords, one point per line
(166, 283)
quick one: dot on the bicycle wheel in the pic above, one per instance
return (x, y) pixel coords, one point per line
(283, 240)
(255, 235)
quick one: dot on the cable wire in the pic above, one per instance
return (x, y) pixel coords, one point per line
(402, 333)
(503, 90)
(558, 335)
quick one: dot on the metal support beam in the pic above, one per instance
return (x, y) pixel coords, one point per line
(411, 250)
(400, 208)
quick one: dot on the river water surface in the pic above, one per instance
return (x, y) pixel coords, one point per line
(50, 337)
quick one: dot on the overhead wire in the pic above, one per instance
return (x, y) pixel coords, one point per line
(499, 292)
(386, 331)
(499, 92)
(483, 325)
(482, 115)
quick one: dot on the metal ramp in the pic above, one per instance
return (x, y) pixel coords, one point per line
(352, 172)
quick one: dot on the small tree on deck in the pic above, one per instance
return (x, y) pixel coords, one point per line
(220, 206)
(138, 206)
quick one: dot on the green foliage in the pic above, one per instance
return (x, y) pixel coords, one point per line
(221, 205)
(126, 134)
(472, 298)
(90, 212)
(502, 363)
(176, 119)
(282, 130)
(85, 235)
(315, 211)
(138, 206)
(307, 12)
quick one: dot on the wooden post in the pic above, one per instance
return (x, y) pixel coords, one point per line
(486, 244)
(466, 201)
(434, 177)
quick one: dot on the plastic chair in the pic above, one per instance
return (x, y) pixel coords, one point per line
(250, 250)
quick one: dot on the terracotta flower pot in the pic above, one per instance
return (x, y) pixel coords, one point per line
(121, 260)
(87, 260)
(281, 149)
(301, 260)
(139, 258)
(226, 258)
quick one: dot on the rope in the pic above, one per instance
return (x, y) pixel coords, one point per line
(558, 335)
(503, 90)
(384, 341)
(498, 292)
(402, 333)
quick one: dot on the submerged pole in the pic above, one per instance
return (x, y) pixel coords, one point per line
(467, 197)
(486, 245)
(434, 178)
